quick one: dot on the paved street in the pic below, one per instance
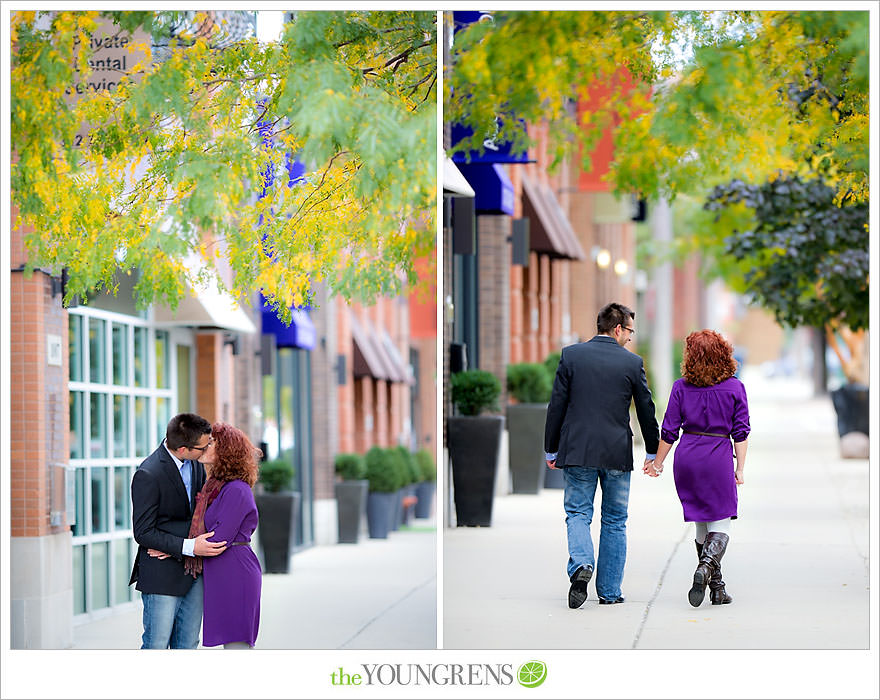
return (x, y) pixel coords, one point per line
(797, 564)
(377, 594)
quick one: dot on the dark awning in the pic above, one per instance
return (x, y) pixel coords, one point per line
(368, 361)
(550, 230)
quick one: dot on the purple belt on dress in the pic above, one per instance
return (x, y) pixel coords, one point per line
(694, 432)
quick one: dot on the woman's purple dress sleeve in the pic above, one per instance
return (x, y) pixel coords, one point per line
(741, 428)
(673, 419)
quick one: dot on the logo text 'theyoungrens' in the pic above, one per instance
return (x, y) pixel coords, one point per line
(425, 674)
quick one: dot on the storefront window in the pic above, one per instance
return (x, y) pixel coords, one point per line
(98, 425)
(120, 426)
(75, 349)
(163, 378)
(100, 565)
(100, 520)
(77, 450)
(141, 426)
(96, 351)
(122, 498)
(141, 376)
(121, 372)
(122, 558)
(79, 580)
(120, 355)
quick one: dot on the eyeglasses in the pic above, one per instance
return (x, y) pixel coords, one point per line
(628, 328)
(202, 449)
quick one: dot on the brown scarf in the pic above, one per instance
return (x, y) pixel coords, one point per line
(193, 565)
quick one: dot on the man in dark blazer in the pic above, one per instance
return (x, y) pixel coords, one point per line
(163, 496)
(588, 434)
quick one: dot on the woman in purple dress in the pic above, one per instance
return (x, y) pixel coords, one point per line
(225, 505)
(709, 405)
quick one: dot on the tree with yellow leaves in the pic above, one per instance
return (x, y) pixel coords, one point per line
(306, 160)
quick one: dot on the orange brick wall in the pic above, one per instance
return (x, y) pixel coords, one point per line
(39, 404)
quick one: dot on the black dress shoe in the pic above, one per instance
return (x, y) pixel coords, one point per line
(577, 594)
(609, 601)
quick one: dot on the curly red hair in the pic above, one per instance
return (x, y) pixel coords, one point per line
(235, 456)
(708, 358)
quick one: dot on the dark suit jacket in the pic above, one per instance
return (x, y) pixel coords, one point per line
(161, 515)
(588, 416)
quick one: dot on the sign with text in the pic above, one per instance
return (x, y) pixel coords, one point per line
(112, 53)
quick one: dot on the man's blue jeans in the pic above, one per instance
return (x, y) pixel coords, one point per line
(172, 621)
(580, 490)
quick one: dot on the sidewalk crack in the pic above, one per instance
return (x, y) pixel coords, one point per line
(657, 588)
(393, 605)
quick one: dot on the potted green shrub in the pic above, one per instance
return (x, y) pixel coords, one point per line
(278, 506)
(529, 384)
(474, 441)
(351, 496)
(427, 486)
(384, 480)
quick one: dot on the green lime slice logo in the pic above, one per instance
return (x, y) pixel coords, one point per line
(532, 673)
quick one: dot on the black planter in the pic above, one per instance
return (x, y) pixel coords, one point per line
(525, 429)
(851, 403)
(279, 514)
(474, 442)
(553, 478)
(351, 504)
(380, 509)
(425, 491)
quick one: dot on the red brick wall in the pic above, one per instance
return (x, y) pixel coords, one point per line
(493, 277)
(39, 402)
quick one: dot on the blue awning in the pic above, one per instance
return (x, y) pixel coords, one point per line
(494, 191)
(299, 334)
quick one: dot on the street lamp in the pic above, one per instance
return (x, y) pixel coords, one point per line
(621, 267)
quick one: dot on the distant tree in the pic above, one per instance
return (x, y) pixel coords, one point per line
(189, 155)
(806, 259)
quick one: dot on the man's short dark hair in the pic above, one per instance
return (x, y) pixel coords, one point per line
(185, 430)
(612, 314)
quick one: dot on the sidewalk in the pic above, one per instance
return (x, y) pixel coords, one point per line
(377, 594)
(797, 564)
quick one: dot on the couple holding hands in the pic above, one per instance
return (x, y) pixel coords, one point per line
(588, 434)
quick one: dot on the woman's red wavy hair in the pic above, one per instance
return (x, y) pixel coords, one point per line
(235, 456)
(708, 358)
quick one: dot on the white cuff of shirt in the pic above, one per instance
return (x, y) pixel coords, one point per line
(188, 547)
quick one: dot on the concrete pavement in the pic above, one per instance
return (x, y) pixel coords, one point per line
(797, 564)
(377, 594)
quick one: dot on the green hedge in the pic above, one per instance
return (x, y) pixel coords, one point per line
(384, 470)
(551, 362)
(426, 464)
(276, 475)
(350, 466)
(529, 382)
(411, 471)
(475, 391)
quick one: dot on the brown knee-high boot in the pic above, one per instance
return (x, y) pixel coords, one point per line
(717, 592)
(710, 565)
